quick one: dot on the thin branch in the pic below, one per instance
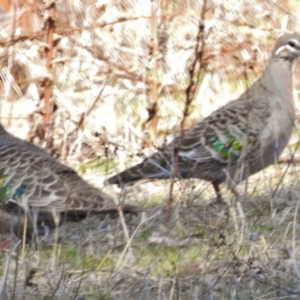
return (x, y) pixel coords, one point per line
(50, 25)
(195, 75)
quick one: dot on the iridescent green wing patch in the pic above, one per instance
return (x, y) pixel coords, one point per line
(6, 188)
(232, 147)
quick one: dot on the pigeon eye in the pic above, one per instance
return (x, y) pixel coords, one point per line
(292, 43)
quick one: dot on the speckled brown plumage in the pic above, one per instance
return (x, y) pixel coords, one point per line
(34, 183)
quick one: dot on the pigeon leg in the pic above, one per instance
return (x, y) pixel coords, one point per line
(218, 192)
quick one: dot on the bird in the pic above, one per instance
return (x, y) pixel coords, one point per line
(237, 140)
(39, 193)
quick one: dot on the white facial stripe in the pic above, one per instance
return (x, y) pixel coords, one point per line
(291, 49)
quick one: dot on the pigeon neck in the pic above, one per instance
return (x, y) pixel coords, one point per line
(278, 78)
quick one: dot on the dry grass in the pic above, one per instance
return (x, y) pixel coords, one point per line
(107, 70)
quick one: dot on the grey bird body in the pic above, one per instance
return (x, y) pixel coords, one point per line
(237, 140)
(35, 184)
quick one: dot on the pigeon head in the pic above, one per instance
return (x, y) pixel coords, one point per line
(287, 47)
